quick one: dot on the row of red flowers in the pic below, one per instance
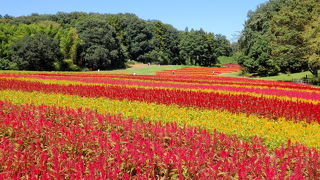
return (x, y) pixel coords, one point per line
(192, 71)
(176, 79)
(267, 90)
(219, 80)
(50, 142)
(271, 108)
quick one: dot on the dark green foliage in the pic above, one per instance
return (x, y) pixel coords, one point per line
(67, 19)
(6, 64)
(66, 65)
(198, 48)
(102, 41)
(272, 40)
(154, 56)
(100, 47)
(166, 43)
(96, 57)
(312, 41)
(138, 38)
(36, 53)
(94, 31)
(223, 46)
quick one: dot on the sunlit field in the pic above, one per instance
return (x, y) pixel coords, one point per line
(186, 125)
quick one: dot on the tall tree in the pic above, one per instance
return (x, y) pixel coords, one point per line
(287, 27)
(198, 48)
(312, 41)
(272, 40)
(100, 48)
(38, 52)
(223, 47)
(138, 37)
(69, 42)
(165, 44)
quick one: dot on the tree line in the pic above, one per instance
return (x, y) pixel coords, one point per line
(78, 40)
(281, 36)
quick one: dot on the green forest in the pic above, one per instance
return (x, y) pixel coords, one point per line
(280, 36)
(78, 41)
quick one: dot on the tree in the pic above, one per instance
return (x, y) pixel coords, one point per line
(100, 49)
(198, 48)
(156, 56)
(68, 19)
(223, 45)
(312, 41)
(96, 57)
(286, 28)
(106, 41)
(38, 52)
(272, 40)
(259, 59)
(7, 16)
(165, 43)
(6, 64)
(69, 42)
(255, 40)
(138, 37)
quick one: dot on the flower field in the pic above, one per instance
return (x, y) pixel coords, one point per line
(99, 126)
(201, 71)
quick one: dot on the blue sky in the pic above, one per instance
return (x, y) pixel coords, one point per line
(218, 16)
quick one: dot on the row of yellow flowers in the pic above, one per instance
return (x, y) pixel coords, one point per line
(274, 133)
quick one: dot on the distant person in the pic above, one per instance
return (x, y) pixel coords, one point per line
(134, 73)
(172, 73)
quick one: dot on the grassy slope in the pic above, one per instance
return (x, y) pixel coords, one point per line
(227, 60)
(281, 77)
(289, 77)
(149, 70)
